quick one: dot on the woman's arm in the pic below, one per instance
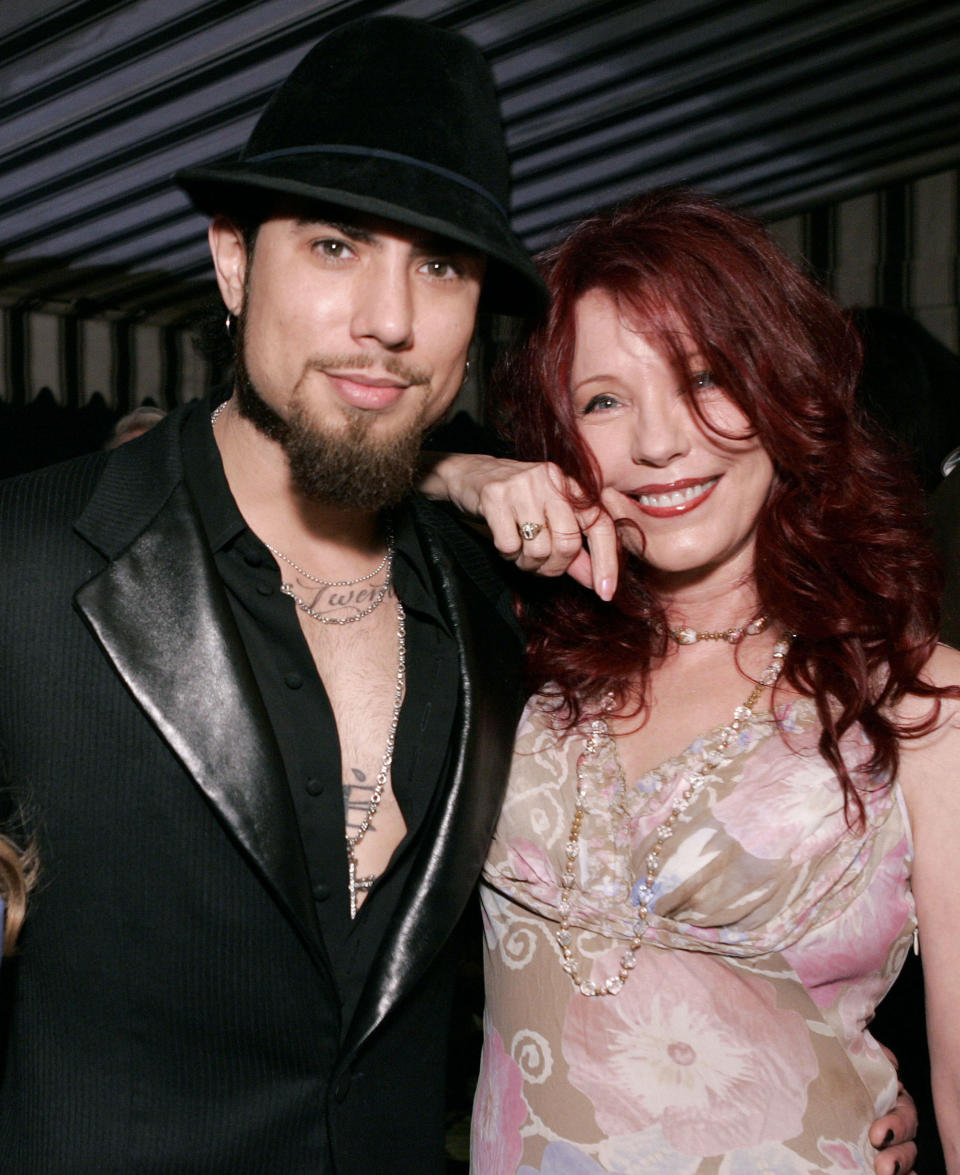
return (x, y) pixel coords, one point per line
(507, 494)
(930, 776)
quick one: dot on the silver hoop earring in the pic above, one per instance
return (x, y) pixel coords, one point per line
(230, 324)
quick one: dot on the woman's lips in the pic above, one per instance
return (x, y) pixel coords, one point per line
(364, 391)
(679, 497)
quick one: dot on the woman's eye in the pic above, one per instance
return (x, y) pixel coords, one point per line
(600, 403)
(701, 380)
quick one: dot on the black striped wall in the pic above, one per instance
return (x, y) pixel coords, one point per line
(778, 105)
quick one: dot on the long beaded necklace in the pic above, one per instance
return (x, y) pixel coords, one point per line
(599, 738)
(355, 883)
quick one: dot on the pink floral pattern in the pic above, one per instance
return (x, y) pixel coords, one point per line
(770, 777)
(860, 939)
(698, 1048)
(774, 931)
(560, 1158)
(499, 1110)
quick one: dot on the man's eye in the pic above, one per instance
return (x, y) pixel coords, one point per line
(332, 247)
(441, 267)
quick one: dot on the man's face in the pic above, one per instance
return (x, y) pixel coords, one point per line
(353, 342)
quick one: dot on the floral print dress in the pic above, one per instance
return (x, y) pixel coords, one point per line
(738, 1044)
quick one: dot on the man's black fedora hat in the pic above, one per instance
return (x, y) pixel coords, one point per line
(393, 117)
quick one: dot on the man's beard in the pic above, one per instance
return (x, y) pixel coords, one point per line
(341, 466)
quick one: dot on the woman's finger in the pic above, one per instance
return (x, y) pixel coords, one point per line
(893, 1136)
(601, 535)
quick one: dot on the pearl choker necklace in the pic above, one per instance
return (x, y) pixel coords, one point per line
(733, 636)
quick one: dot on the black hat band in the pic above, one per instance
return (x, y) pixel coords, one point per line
(378, 153)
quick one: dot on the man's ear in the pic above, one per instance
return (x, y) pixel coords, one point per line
(229, 261)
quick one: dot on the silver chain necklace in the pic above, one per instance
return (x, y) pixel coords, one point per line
(355, 883)
(288, 588)
(600, 737)
(338, 582)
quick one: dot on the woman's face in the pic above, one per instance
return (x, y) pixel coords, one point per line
(695, 495)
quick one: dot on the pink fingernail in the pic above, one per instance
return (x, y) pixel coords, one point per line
(606, 589)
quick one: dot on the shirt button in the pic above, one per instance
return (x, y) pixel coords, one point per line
(314, 786)
(293, 680)
(253, 558)
(321, 891)
(264, 589)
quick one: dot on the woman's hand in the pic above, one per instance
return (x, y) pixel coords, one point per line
(516, 496)
(893, 1134)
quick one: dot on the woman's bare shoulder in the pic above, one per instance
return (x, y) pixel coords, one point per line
(941, 670)
(930, 758)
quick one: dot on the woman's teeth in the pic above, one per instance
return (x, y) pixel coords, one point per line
(676, 497)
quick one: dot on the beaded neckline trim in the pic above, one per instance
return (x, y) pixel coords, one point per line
(710, 758)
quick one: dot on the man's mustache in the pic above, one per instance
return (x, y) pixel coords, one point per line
(332, 364)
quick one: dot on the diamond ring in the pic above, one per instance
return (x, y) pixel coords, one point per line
(529, 530)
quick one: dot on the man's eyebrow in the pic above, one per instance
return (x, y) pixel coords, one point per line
(424, 242)
(427, 242)
(352, 232)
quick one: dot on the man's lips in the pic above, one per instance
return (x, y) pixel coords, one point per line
(679, 497)
(360, 389)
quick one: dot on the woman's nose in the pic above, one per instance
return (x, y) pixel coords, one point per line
(660, 430)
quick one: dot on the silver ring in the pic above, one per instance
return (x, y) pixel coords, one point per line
(529, 530)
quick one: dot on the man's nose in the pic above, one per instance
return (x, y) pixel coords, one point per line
(383, 304)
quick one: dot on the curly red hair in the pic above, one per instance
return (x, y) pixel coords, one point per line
(842, 555)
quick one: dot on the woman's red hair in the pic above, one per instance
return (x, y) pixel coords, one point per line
(842, 556)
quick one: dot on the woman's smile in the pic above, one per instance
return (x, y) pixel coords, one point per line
(679, 497)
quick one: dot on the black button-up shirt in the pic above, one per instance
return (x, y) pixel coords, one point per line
(302, 717)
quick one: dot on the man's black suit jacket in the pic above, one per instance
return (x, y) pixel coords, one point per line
(173, 1007)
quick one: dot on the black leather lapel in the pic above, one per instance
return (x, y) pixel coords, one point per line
(160, 612)
(454, 847)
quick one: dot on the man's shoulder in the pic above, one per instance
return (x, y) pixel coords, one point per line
(53, 492)
(49, 500)
(40, 548)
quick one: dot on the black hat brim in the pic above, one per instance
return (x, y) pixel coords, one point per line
(512, 284)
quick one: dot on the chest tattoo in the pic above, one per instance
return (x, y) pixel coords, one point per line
(335, 601)
(357, 790)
